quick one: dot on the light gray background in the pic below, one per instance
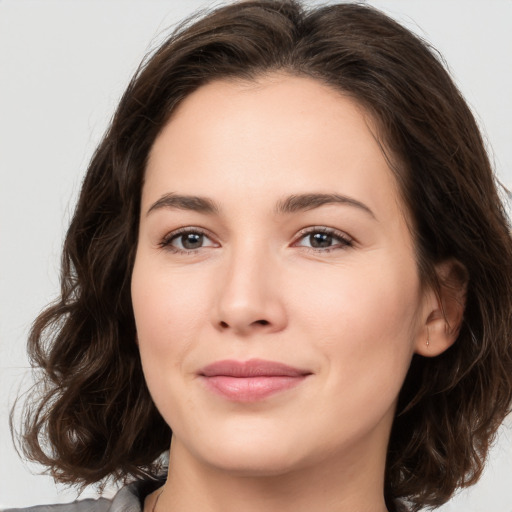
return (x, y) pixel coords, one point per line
(63, 67)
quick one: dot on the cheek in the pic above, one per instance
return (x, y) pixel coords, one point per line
(364, 327)
(358, 298)
(169, 310)
(167, 306)
(364, 321)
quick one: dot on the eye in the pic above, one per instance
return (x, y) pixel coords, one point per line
(323, 239)
(187, 240)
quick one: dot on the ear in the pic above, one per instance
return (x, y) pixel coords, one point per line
(444, 309)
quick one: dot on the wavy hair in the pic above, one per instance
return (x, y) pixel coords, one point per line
(92, 415)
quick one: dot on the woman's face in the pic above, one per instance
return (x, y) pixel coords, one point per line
(275, 289)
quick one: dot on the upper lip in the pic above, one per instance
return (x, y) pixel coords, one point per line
(251, 368)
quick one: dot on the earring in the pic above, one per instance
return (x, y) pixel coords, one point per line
(428, 338)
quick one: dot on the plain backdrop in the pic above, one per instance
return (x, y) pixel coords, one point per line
(63, 67)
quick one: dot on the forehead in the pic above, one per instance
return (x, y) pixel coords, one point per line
(285, 134)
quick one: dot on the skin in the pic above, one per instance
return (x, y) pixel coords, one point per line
(352, 312)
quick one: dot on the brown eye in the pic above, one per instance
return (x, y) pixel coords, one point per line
(187, 240)
(320, 240)
(190, 240)
(323, 239)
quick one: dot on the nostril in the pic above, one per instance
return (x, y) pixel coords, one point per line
(225, 325)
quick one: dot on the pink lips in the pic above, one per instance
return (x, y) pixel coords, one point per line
(249, 381)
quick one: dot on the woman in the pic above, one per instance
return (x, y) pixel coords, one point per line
(278, 255)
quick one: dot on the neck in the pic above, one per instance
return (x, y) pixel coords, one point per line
(338, 484)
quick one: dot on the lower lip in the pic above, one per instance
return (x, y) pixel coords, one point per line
(251, 389)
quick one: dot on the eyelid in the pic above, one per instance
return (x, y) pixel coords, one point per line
(346, 240)
(343, 238)
(166, 241)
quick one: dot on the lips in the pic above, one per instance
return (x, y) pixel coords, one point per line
(252, 380)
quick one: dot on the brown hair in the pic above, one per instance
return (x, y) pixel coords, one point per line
(95, 411)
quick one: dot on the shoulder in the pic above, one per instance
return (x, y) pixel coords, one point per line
(89, 505)
(128, 499)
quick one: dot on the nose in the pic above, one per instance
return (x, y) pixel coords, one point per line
(249, 296)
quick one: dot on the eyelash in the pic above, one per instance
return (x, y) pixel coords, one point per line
(344, 241)
(168, 239)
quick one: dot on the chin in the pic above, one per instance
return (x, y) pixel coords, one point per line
(261, 454)
(253, 463)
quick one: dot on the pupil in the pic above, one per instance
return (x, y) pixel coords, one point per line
(192, 240)
(319, 240)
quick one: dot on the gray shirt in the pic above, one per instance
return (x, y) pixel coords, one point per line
(128, 499)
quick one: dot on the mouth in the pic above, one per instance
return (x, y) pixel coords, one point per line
(252, 380)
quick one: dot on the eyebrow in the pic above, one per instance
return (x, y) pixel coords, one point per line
(304, 202)
(182, 202)
(291, 204)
